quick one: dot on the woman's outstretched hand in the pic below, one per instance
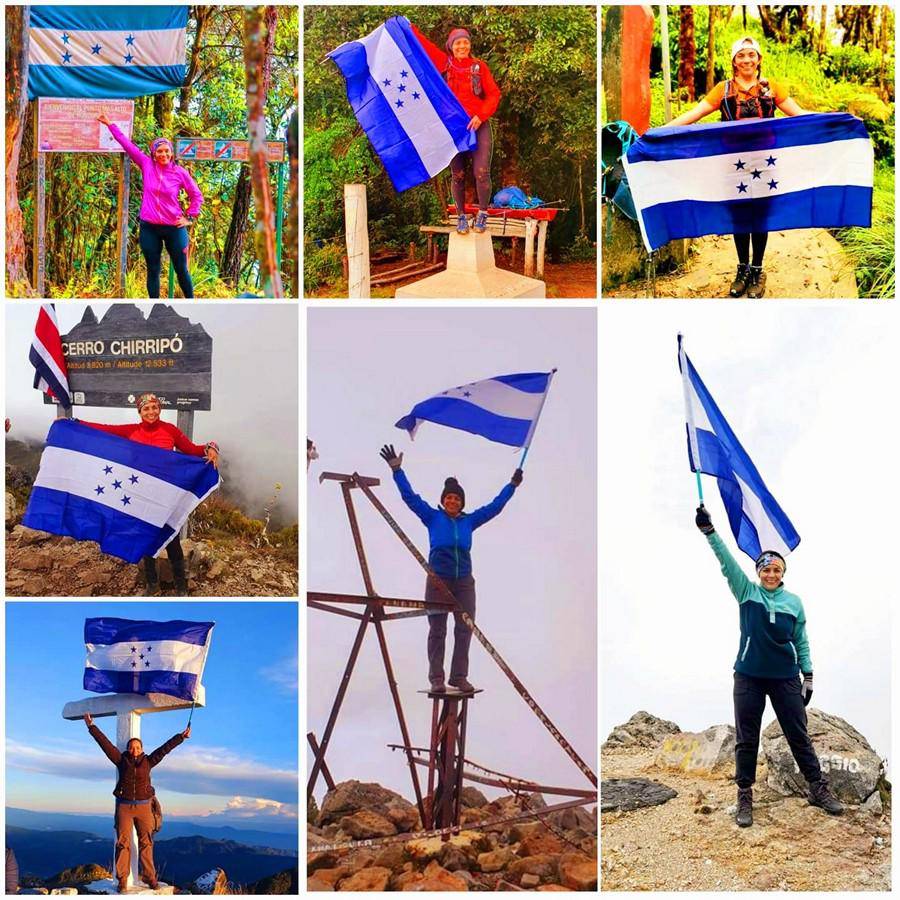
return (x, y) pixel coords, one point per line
(389, 455)
(186, 733)
(103, 119)
(703, 521)
(212, 456)
(88, 720)
(474, 124)
(517, 477)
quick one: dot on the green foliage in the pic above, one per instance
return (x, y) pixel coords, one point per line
(321, 264)
(583, 250)
(216, 514)
(850, 63)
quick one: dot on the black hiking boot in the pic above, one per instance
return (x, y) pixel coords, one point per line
(741, 280)
(151, 576)
(820, 795)
(744, 815)
(756, 287)
(181, 585)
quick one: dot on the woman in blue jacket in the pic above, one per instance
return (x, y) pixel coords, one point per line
(450, 541)
(772, 654)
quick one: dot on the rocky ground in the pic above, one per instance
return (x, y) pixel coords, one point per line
(690, 841)
(559, 855)
(44, 565)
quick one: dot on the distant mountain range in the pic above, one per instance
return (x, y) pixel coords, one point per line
(44, 853)
(279, 836)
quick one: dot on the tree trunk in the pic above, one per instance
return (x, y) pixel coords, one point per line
(17, 23)
(711, 51)
(162, 112)
(687, 52)
(233, 252)
(823, 31)
(259, 39)
(767, 20)
(201, 15)
(291, 239)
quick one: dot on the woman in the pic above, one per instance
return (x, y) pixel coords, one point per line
(773, 652)
(134, 794)
(162, 219)
(746, 95)
(450, 539)
(473, 85)
(154, 431)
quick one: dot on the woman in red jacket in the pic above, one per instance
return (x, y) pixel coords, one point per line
(154, 431)
(473, 85)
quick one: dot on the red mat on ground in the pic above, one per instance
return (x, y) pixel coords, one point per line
(548, 214)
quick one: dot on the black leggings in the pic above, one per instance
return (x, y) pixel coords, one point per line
(481, 166)
(152, 238)
(742, 242)
(173, 550)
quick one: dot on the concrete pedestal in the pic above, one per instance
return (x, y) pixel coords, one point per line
(471, 273)
(109, 886)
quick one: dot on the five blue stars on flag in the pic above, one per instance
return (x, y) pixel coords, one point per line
(138, 657)
(756, 173)
(400, 88)
(116, 485)
(127, 57)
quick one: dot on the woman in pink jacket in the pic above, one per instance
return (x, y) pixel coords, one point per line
(162, 219)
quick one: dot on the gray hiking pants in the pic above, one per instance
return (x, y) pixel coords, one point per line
(463, 589)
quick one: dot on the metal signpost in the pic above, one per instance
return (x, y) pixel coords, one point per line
(66, 125)
(224, 150)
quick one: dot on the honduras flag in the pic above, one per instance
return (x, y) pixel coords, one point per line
(410, 115)
(141, 657)
(105, 51)
(757, 521)
(810, 171)
(130, 498)
(504, 409)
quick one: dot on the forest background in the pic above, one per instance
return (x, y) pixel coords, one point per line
(213, 102)
(831, 58)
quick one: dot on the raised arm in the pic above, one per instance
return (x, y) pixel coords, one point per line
(138, 157)
(106, 745)
(155, 758)
(739, 583)
(435, 54)
(121, 430)
(412, 499)
(487, 512)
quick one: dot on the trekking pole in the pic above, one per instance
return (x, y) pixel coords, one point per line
(531, 430)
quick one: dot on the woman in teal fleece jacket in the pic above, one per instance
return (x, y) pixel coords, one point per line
(772, 654)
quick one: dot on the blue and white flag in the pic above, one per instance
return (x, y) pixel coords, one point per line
(757, 521)
(504, 409)
(810, 171)
(106, 51)
(410, 115)
(130, 498)
(141, 657)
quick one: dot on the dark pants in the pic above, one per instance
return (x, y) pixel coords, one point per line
(749, 705)
(140, 817)
(464, 591)
(742, 242)
(152, 238)
(481, 166)
(173, 551)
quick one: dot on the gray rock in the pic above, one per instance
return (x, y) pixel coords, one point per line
(641, 730)
(349, 797)
(632, 793)
(701, 753)
(848, 761)
(874, 804)
(472, 798)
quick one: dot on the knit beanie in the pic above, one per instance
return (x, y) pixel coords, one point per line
(452, 486)
(455, 35)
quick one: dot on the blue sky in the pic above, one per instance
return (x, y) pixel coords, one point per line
(239, 766)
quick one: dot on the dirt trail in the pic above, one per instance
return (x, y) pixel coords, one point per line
(692, 843)
(803, 263)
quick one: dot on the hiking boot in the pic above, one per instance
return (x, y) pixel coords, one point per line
(151, 576)
(756, 287)
(462, 685)
(462, 225)
(153, 885)
(438, 686)
(181, 585)
(741, 280)
(122, 886)
(480, 225)
(744, 815)
(820, 795)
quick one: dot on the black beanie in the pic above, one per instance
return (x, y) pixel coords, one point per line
(452, 486)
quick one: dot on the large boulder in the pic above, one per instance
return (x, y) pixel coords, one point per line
(375, 878)
(848, 761)
(350, 797)
(709, 752)
(578, 872)
(213, 882)
(641, 730)
(366, 824)
(627, 794)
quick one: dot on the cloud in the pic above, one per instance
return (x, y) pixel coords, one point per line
(283, 674)
(195, 770)
(256, 808)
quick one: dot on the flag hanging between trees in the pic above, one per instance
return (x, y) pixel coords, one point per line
(504, 409)
(127, 656)
(130, 498)
(51, 375)
(757, 521)
(106, 51)
(810, 171)
(406, 109)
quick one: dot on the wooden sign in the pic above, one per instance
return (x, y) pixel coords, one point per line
(213, 149)
(70, 126)
(113, 361)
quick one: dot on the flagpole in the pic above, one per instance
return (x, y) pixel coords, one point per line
(191, 716)
(535, 422)
(689, 415)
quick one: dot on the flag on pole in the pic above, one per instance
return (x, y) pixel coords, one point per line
(126, 656)
(504, 409)
(106, 51)
(757, 521)
(130, 498)
(415, 123)
(51, 375)
(810, 171)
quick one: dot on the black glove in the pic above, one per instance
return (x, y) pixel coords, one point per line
(517, 477)
(389, 455)
(807, 688)
(703, 521)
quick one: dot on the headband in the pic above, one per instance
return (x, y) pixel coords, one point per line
(769, 557)
(144, 399)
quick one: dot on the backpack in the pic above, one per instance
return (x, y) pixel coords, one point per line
(514, 197)
(616, 139)
(156, 812)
